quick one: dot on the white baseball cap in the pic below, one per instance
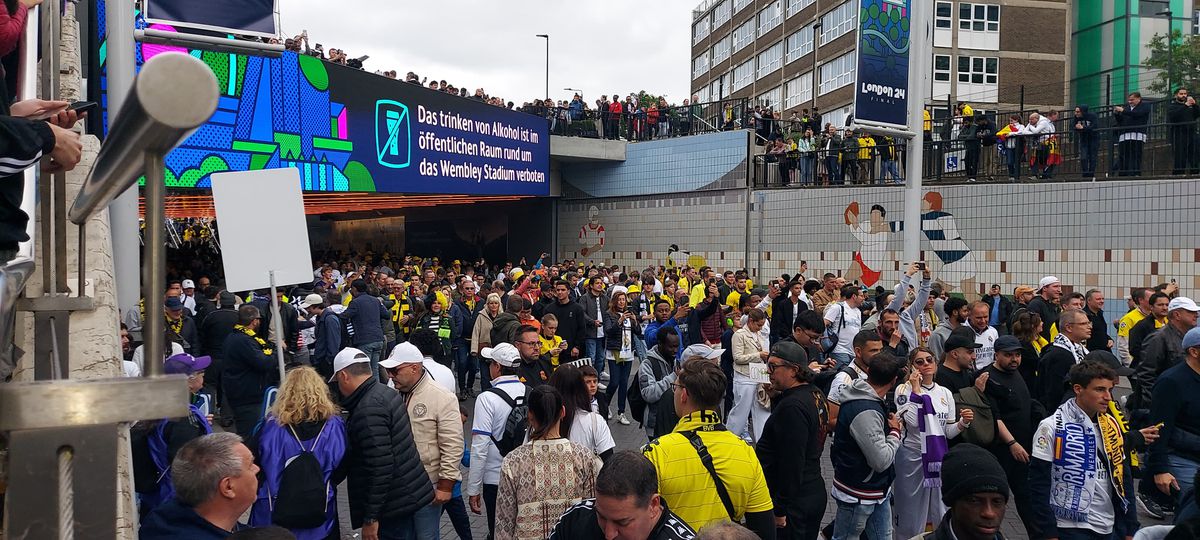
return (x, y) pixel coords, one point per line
(348, 356)
(313, 299)
(404, 353)
(1046, 282)
(1183, 302)
(189, 284)
(701, 350)
(504, 354)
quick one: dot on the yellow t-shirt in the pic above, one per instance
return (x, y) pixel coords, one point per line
(928, 121)
(1125, 324)
(696, 295)
(683, 284)
(734, 298)
(866, 145)
(686, 485)
(549, 345)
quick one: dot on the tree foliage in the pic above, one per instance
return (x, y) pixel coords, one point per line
(1181, 63)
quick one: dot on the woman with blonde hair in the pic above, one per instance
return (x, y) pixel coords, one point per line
(303, 434)
(481, 336)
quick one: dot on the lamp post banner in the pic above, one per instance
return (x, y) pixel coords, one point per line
(881, 89)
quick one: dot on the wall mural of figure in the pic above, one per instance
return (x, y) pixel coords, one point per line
(591, 234)
(872, 235)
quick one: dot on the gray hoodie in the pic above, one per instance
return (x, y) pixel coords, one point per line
(937, 340)
(654, 389)
(869, 430)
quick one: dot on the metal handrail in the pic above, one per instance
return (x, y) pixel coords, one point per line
(150, 121)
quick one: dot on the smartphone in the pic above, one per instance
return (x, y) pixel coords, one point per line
(83, 106)
(921, 266)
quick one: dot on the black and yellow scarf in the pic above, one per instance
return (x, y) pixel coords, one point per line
(262, 343)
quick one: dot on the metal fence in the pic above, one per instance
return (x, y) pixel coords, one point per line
(1158, 148)
(644, 124)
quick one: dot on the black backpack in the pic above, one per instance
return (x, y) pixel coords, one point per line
(303, 491)
(516, 425)
(637, 403)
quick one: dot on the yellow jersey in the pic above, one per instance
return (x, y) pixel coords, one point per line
(1125, 324)
(550, 344)
(928, 120)
(685, 484)
(696, 295)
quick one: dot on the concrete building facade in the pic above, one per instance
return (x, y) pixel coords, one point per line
(988, 53)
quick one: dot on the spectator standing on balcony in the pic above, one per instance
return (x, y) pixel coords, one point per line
(1085, 139)
(889, 155)
(985, 131)
(1013, 145)
(615, 113)
(1132, 124)
(1039, 129)
(664, 119)
(1182, 113)
(970, 138)
(866, 157)
(807, 157)
(849, 158)
(685, 117)
(576, 108)
(829, 144)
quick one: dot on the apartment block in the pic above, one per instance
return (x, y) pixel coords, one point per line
(995, 55)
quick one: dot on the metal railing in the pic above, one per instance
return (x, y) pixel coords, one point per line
(645, 125)
(1109, 149)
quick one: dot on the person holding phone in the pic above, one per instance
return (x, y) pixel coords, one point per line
(620, 329)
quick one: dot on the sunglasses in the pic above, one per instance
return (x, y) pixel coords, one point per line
(923, 360)
(771, 367)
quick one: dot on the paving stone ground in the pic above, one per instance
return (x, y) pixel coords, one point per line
(633, 437)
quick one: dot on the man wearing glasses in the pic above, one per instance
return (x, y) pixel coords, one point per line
(791, 443)
(1068, 349)
(535, 367)
(436, 429)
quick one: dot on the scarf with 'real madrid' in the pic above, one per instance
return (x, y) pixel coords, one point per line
(262, 343)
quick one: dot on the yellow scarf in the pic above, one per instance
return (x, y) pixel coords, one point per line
(262, 343)
(1114, 447)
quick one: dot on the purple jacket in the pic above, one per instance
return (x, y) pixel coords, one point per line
(276, 445)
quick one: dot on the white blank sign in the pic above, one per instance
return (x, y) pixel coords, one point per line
(260, 218)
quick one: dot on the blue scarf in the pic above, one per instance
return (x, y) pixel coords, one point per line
(1073, 469)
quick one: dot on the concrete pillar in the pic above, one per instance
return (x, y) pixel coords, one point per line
(95, 350)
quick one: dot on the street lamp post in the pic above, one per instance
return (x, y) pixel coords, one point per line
(547, 38)
(816, 80)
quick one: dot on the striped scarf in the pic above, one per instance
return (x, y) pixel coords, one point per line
(1077, 350)
(933, 439)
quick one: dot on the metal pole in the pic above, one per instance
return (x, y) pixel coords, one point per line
(123, 213)
(154, 275)
(918, 65)
(815, 79)
(278, 324)
(1022, 107)
(547, 38)
(1128, 45)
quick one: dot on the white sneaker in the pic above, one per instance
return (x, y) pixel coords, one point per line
(621, 418)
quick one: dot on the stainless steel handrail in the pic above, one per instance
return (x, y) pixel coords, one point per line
(152, 120)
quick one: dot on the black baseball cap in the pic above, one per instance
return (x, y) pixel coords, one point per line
(790, 352)
(961, 338)
(1007, 344)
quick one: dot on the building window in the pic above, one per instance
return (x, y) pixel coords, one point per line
(771, 98)
(770, 17)
(838, 22)
(943, 15)
(978, 70)
(799, 44)
(941, 68)
(700, 30)
(837, 73)
(699, 65)
(796, 6)
(743, 75)
(739, 4)
(770, 60)
(979, 17)
(797, 91)
(721, 14)
(720, 50)
(743, 35)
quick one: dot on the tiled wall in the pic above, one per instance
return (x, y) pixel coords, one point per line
(1111, 235)
(700, 162)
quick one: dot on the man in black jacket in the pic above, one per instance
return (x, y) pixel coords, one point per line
(250, 367)
(1182, 113)
(595, 304)
(387, 482)
(214, 329)
(785, 309)
(1057, 359)
(572, 325)
(365, 313)
(180, 323)
(1045, 304)
(1133, 123)
(791, 444)
(999, 309)
(628, 503)
(327, 335)
(1094, 308)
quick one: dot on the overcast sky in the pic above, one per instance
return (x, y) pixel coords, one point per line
(599, 47)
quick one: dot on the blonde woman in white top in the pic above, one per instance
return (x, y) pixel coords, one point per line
(748, 415)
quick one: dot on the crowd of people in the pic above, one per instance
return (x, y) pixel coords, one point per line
(939, 409)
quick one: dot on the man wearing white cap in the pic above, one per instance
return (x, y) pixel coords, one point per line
(1045, 304)
(189, 295)
(436, 428)
(488, 425)
(388, 485)
(327, 339)
(1164, 348)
